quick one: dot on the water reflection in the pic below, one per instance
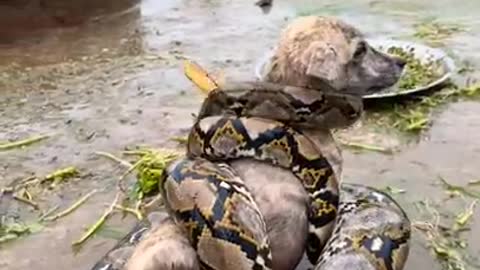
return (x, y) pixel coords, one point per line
(21, 17)
(50, 31)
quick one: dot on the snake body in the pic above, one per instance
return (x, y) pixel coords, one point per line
(218, 214)
(354, 227)
(243, 125)
(372, 232)
(241, 130)
(225, 138)
(292, 106)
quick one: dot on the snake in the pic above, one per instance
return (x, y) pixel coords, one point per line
(372, 232)
(348, 224)
(242, 125)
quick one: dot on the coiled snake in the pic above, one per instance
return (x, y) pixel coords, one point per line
(357, 226)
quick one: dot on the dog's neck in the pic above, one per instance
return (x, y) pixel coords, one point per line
(322, 138)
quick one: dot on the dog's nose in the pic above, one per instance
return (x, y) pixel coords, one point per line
(400, 62)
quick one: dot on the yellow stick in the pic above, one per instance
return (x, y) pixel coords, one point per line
(48, 213)
(199, 76)
(366, 147)
(114, 158)
(25, 200)
(134, 212)
(8, 146)
(61, 174)
(72, 208)
(120, 180)
(97, 224)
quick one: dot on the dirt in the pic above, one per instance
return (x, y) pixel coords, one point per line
(116, 81)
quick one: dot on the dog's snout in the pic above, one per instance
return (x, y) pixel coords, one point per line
(400, 62)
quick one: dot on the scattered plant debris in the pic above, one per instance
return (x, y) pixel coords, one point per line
(366, 147)
(435, 32)
(70, 209)
(416, 73)
(11, 229)
(92, 229)
(446, 241)
(415, 116)
(393, 190)
(22, 143)
(462, 190)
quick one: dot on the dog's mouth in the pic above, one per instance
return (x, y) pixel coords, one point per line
(388, 82)
(380, 88)
(375, 89)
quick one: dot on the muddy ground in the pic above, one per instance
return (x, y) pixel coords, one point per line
(117, 82)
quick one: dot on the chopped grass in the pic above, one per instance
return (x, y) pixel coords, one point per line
(464, 217)
(60, 176)
(150, 169)
(21, 191)
(366, 147)
(445, 237)
(97, 225)
(150, 165)
(22, 143)
(435, 32)
(11, 229)
(393, 190)
(416, 73)
(445, 230)
(70, 209)
(459, 189)
(415, 116)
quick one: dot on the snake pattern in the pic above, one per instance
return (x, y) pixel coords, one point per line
(293, 106)
(356, 227)
(219, 214)
(372, 232)
(241, 130)
(224, 138)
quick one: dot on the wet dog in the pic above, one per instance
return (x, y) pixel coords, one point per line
(312, 52)
(321, 51)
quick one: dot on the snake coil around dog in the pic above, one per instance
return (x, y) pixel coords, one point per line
(216, 209)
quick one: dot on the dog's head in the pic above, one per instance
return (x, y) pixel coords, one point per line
(314, 51)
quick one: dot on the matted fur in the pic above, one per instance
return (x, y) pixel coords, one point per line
(318, 52)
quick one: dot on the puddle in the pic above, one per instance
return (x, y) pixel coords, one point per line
(117, 76)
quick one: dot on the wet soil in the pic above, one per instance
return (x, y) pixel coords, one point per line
(116, 81)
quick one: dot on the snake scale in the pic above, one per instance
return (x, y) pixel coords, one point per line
(351, 226)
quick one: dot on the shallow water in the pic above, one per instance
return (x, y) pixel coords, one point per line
(114, 80)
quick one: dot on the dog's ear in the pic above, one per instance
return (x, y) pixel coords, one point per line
(321, 61)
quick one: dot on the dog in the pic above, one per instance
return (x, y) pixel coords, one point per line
(320, 53)
(314, 52)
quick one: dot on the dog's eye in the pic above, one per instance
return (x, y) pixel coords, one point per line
(360, 50)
